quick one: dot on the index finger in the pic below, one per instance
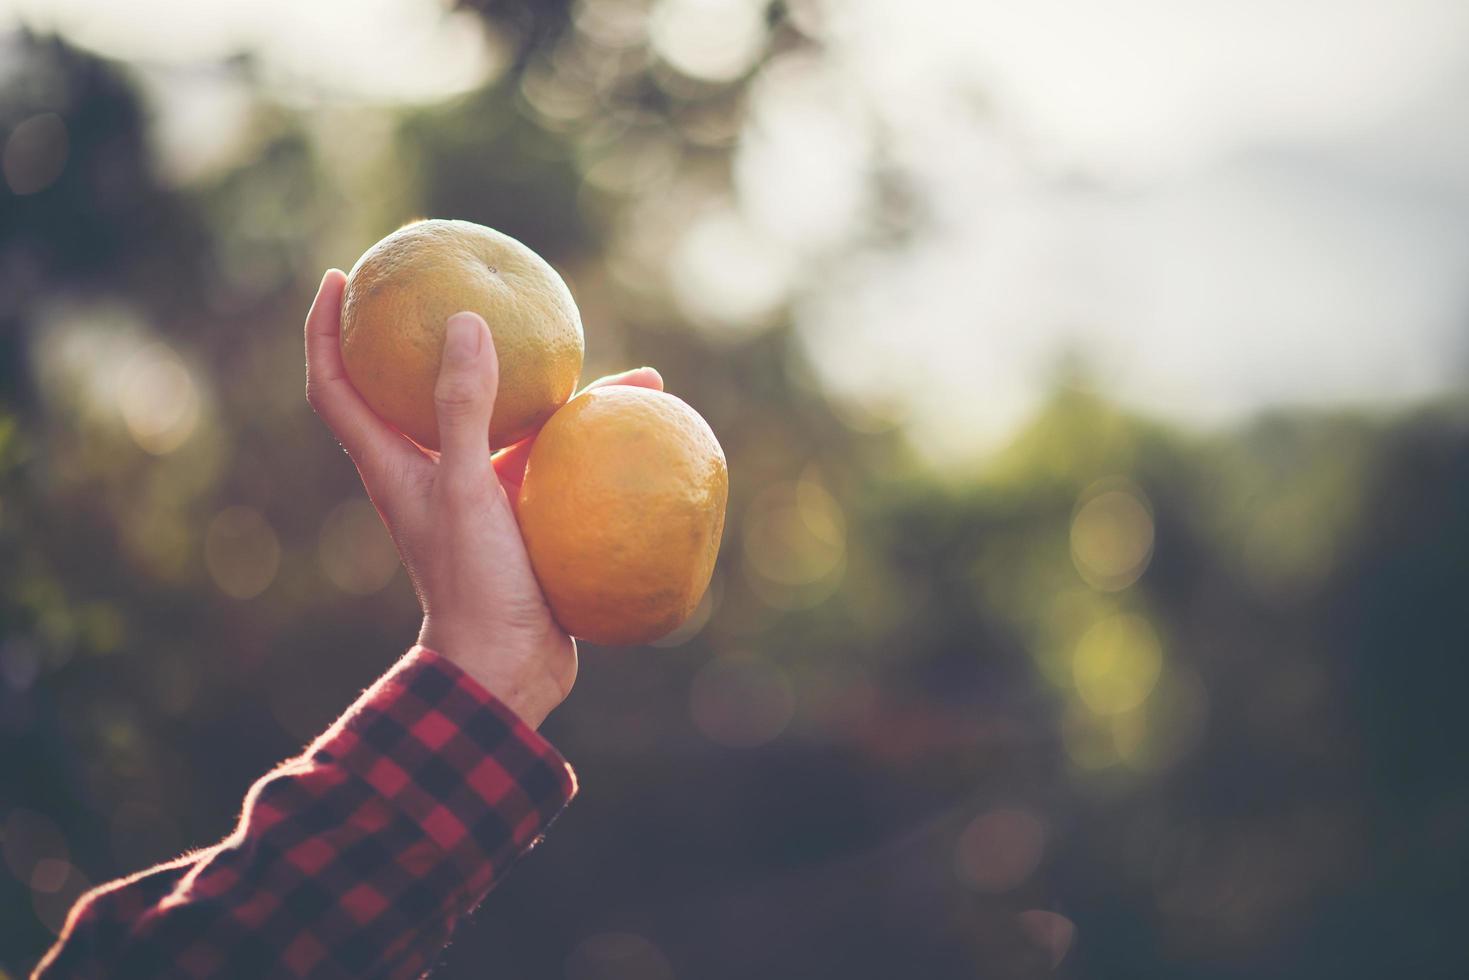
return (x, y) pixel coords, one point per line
(510, 462)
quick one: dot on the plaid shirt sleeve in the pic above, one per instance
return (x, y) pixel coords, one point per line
(354, 859)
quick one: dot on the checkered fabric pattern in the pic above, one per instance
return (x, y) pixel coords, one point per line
(354, 859)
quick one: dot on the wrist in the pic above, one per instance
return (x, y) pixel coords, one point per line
(511, 671)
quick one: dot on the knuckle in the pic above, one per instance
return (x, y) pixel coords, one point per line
(457, 396)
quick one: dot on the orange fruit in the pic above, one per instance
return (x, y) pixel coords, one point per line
(404, 288)
(622, 509)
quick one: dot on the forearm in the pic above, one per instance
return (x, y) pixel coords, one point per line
(354, 859)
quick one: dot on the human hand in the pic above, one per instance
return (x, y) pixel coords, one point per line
(451, 514)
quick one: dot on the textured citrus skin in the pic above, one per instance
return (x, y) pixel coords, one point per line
(404, 288)
(622, 509)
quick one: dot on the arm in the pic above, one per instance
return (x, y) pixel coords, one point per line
(356, 858)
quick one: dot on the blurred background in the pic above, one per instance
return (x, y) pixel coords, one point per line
(1092, 378)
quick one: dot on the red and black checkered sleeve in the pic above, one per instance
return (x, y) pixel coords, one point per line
(354, 859)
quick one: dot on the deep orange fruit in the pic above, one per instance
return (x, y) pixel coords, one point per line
(622, 509)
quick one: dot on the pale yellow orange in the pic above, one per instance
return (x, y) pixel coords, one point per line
(404, 288)
(622, 509)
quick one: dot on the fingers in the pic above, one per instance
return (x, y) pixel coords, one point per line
(643, 377)
(510, 462)
(368, 440)
(469, 376)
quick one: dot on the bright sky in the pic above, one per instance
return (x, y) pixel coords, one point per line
(387, 49)
(1222, 204)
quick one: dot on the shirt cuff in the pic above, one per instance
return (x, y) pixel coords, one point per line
(479, 781)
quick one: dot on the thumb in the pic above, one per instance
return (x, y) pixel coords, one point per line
(464, 398)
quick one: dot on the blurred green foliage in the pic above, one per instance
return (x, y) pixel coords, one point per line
(1197, 693)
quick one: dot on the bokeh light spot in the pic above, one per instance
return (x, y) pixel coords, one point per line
(741, 701)
(557, 100)
(356, 552)
(28, 838)
(65, 884)
(795, 539)
(635, 162)
(801, 166)
(726, 273)
(158, 399)
(19, 663)
(1052, 932)
(617, 956)
(711, 40)
(1112, 537)
(35, 154)
(242, 552)
(1116, 664)
(1000, 849)
(699, 618)
(612, 23)
(49, 875)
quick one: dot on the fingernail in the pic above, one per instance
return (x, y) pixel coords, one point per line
(463, 337)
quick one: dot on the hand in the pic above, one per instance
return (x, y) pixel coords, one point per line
(451, 514)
